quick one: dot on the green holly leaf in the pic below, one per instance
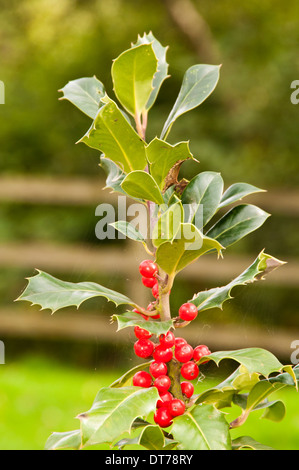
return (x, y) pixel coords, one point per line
(275, 411)
(64, 440)
(128, 230)
(287, 378)
(162, 69)
(133, 319)
(237, 223)
(198, 83)
(215, 297)
(168, 224)
(132, 74)
(162, 157)
(201, 198)
(114, 411)
(50, 292)
(173, 256)
(236, 192)
(85, 94)
(141, 185)
(218, 398)
(111, 133)
(115, 174)
(248, 443)
(202, 428)
(256, 360)
(258, 394)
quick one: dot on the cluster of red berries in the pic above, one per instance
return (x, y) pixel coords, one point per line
(148, 270)
(169, 349)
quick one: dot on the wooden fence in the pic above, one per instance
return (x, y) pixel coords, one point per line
(122, 262)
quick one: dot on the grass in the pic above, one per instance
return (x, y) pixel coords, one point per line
(39, 396)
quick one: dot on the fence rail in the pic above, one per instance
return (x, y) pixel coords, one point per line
(84, 191)
(122, 261)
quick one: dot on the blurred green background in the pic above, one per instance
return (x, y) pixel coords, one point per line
(50, 187)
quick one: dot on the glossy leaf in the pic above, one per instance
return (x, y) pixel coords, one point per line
(275, 411)
(201, 198)
(111, 133)
(287, 378)
(141, 185)
(64, 440)
(259, 393)
(215, 297)
(85, 94)
(172, 257)
(115, 175)
(162, 69)
(168, 225)
(248, 443)
(202, 428)
(113, 412)
(162, 157)
(218, 398)
(237, 223)
(254, 359)
(132, 74)
(127, 319)
(129, 230)
(198, 83)
(236, 192)
(50, 292)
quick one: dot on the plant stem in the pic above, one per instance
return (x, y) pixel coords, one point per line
(174, 374)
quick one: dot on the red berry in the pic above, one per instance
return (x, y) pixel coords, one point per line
(141, 333)
(142, 379)
(188, 312)
(162, 417)
(161, 354)
(183, 353)
(168, 340)
(148, 281)
(179, 342)
(187, 389)
(162, 383)
(200, 351)
(176, 407)
(157, 369)
(165, 399)
(155, 317)
(148, 268)
(155, 290)
(144, 348)
(190, 370)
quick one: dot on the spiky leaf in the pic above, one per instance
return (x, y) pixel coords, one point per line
(202, 428)
(50, 292)
(111, 133)
(114, 411)
(64, 440)
(162, 69)
(127, 319)
(215, 298)
(132, 74)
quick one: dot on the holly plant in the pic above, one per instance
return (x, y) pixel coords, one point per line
(153, 405)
